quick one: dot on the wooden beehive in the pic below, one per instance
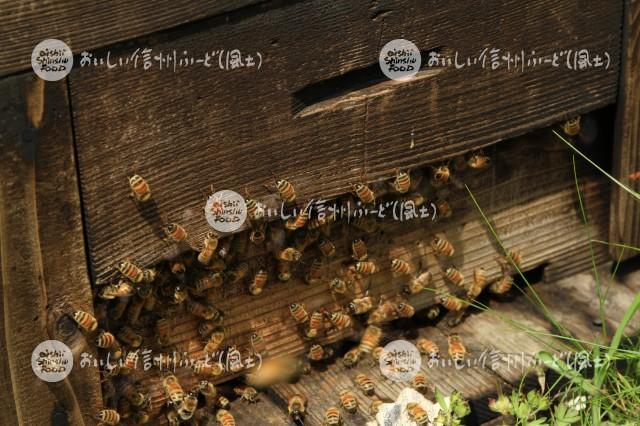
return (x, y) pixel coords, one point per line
(317, 113)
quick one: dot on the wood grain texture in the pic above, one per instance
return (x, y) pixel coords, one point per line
(85, 25)
(232, 129)
(44, 271)
(625, 212)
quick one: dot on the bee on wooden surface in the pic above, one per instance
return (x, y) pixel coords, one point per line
(428, 347)
(207, 282)
(457, 351)
(253, 207)
(514, 257)
(204, 368)
(443, 208)
(222, 402)
(400, 267)
(258, 282)
(284, 271)
(502, 285)
(327, 248)
(205, 328)
(214, 342)
(433, 312)
(442, 247)
(351, 357)
(360, 306)
(179, 295)
(299, 221)
(297, 408)
(441, 175)
(130, 337)
(359, 250)
(370, 339)
(365, 384)
(178, 268)
(454, 276)
(366, 224)
(209, 247)
(246, 393)
(417, 414)
(133, 395)
(479, 161)
(130, 362)
(108, 417)
(85, 320)
(376, 353)
(316, 323)
(402, 182)
(479, 283)
(207, 389)
(107, 340)
(571, 127)
(206, 312)
(172, 389)
(130, 271)
(174, 232)
(385, 312)
(140, 189)
(366, 268)
(314, 274)
(375, 407)
(289, 254)
(332, 416)
(238, 273)
(286, 190)
(299, 313)
(348, 401)
(339, 320)
(338, 286)
(318, 353)
(258, 344)
(419, 383)
(404, 310)
(258, 234)
(418, 284)
(225, 418)
(451, 302)
(149, 275)
(364, 193)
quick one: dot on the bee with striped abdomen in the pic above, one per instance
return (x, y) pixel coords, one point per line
(172, 389)
(454, 276)
(332, 417)
(419, 383)
(433, 312)
(289, 254)
(314, 274)
(258, 345)
(225, 418)
(364, 193)
(417, 414)
(339, 320)
(209, 247)
(479, 161)
(214, 341)
(299, 313)
(85, 320)
(206, 312)
(338, 286)
(404, 309)
(366, 267)
(286, 190)
(370, 339)
(351, 357)
(451, 302)
(402, 182)
(385, 312)
(457, 351)
(441, 175)
(571, 127)
(207, 282)
(400, 267)
(108, 417)
(443, 208)
(140, 189)
(174, 233)
(501, 285)
(348, 401)
(365, 384)
(297, 408)
(130, 337)
(327, 248)
(479, 283)
(258, 282)
(131, 271)
(360, 306)
(107, 340)
(359, 250)
(428, 347)
(442, 246)
(316, 323)
(246, 393)
(418, 284)
(318, 353)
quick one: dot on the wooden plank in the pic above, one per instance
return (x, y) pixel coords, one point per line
(6, 388)
(233, 129)
(44, 271)
(24, 25)
(625, 226)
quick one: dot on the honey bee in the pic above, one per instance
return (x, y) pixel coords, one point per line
(385, 312)
(479, 161)
(246, 393)
(257, 343)
(107, 340)
(339, 320)
(85, 320)
(129, 391)
(419, 383)
(364, 193)
(299, 221)
(454, 276)
(400, 267)
(375, 407)
(139, 188)
(258, 282)
(441, 175)
(178, 268)
(327, 248)
(206, 312)
(442, 247)
(299, 313)
(376, 353)
(402, 183)
(238, 273)
(205, 328)
(451, 302)
(365, 384)
(351, 357)
(418, 284)
(253, 209)
(208, 248)
(130, 337)
(289, 254)
(338, 286)
(370, 339)
(404, 310)
(205, 368)
(360, 306)
(130, 271)
(315, 271)
(258, 234)
(215, 341)
(222, 402)
(366, 268)
(284, 271)
(359, 250)
(348, 401)
(332, 416)
(417, 414)
(172, 389)
(457, 351)
(148, 275)
(443, 208)
(225, 418)
(297, 407)
(207, 389)
(433, 312)
(130, 361)
(179, 295)
(174, 232)
(479, 282)
(428, 347)
(316, 323)
(286, 191)
(502, 285)
(571, 127)
(514, 257)
(108, 417)
(207, 282)
(319, 353)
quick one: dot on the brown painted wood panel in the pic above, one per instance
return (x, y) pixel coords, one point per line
(233, 129)
(625, 213)
(44, 270)
(86, 25)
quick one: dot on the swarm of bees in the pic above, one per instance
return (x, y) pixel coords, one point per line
(139, 308)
